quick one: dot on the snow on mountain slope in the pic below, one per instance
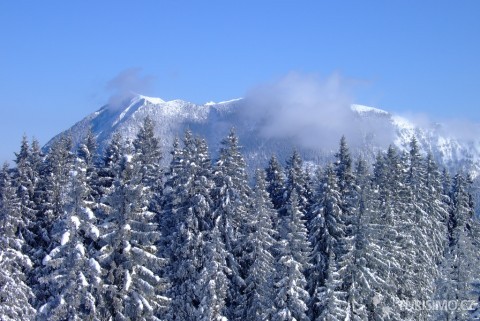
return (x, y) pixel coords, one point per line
(214, 120)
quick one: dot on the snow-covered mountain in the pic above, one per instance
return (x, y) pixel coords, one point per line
(376, 128)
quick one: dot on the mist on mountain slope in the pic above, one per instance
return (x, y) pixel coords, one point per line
(125, 85)
(312, 110)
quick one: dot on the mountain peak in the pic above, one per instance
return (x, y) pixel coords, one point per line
(152, 100)
(362, 109)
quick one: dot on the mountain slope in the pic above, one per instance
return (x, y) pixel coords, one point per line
(375, 129)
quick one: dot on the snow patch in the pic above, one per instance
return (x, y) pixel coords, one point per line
(402, 122)
(366, 109)
(83, 280)
(128, 280)
(80, 248)
(46, 259)
(94, 265)
(127, 248)
(95, 232)
(75, 221)
(65, 238)
(153, 100)
(89, 213)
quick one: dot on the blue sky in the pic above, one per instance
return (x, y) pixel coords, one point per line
(56, 57)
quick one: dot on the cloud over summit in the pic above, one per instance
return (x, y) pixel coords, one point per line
(314, 111)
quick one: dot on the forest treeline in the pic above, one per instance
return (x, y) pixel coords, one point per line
(118, 236)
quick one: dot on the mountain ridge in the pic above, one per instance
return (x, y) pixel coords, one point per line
(213, 121)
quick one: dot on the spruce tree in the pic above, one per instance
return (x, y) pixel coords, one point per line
(297, 180)
(291, 296)
(25, 181)
(232, 204)
(460, 268)
(15, 294)
(52, 195)
(275, 178)
(197, 269)
(258, 295)
(134, 286)
(328, 234)
(148, 157)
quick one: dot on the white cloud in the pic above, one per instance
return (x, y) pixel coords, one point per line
(126, 84)
(313, 110)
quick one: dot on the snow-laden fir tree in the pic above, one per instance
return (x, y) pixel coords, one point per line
(52, 195)
(391, 230)
(148, 157)
(352, 246)
(460, 268)
(133, 282)
(74, 278)
(232, 198)
(427, 216)
(213, 282)
(297, 180)
(166, 216)
(258, 294)
(15, 294)
(197, 268)
(87, 152)
(25, 181)
(107, 170)
(291, 296)
(275, 178)
(328, 234)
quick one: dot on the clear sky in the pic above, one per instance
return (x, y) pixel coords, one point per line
(56, 57)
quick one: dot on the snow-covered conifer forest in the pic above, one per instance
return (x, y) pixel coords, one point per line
(120, 236)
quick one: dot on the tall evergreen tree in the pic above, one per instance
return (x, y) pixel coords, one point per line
(134, 287)
(148, 157)
(259, 262)
(461, 265)
(109, 165)
(15, 294)
(291, 296)
(232, 196)
(328, 234)
(74, 273)
(197, 269)
(386, 230)
(275, 178)
(297, 180)
(25, 182)
(87, 153)
(52, 195)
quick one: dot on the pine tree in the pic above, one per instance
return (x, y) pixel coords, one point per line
(134, 288)
(15, 294)
(291, 297)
